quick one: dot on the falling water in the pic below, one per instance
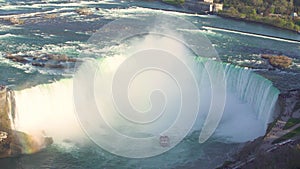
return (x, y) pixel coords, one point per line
(250, 98)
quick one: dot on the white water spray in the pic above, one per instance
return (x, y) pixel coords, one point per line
(48, 109)
(250, 100)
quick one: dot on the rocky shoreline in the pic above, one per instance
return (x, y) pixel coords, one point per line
(265, 151)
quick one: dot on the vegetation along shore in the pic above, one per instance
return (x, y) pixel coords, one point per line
(278, 13)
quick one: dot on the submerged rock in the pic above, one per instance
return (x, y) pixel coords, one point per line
(84, 11)
(47, 65)
(15, 21)
(17, 58)
(56, 57)
(12, 142)
(50, 16)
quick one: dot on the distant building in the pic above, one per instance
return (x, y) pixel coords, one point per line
(217, 7)
(208, 1)
(203, 5)
(294, 15)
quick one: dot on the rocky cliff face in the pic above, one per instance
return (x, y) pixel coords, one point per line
(12, 142)
(263, 152)
(6, 104)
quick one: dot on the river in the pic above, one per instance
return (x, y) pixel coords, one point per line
(249, 104)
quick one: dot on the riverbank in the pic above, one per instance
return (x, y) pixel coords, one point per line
(225, 15)
(278, 21)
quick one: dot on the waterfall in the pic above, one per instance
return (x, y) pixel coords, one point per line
(7, 108)
(250, 100)
(248, 86)
(48, 110)
(11, 102)
(14, 142)
(254, 89)
(249, 103)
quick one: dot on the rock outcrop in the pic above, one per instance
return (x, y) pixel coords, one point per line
(84, 11)
(278, 61)
(15, 21)
(14, 143)
(55, 61)
(263, 152)
(50, 16)
(17, 58)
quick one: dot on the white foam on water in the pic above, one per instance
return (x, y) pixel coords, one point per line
(251, 34)
(9, 35)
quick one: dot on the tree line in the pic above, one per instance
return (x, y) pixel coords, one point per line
(273, 12)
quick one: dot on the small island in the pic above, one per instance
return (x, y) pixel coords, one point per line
(278, 61)
(45, 60)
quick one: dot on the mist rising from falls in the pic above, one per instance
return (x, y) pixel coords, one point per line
(249, 107)
(249, 104)
(48, 110)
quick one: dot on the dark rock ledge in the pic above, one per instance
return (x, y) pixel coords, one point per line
(56, 61)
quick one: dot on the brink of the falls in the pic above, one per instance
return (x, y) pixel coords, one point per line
(13, 142)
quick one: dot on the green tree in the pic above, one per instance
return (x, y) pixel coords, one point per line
(281, 6)
(272, 9)
(233, 11)
(289, 25)
(257, 2)
(253, 12)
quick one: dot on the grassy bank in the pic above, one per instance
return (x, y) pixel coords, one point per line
(174, 2)
(288, 136)
(291, 122)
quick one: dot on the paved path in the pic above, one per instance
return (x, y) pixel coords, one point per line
(278, 134)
